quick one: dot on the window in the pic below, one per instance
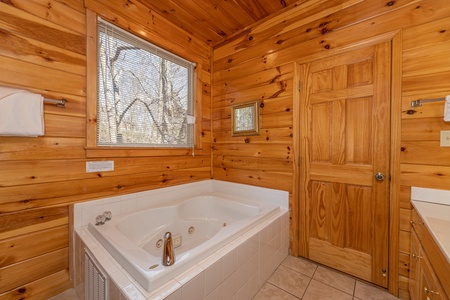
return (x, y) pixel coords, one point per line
(144, 93)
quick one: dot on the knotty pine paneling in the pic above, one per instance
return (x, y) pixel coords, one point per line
(43, 288)
(15, 275)
(34, 245)
(159, 30)
(44, 51)
(429, 130)
(57, 33)
(309, 32)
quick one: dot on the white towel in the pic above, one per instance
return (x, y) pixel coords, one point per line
(447, 109)
(21, 113)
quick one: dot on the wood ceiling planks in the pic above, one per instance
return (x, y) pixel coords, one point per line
(214, 21)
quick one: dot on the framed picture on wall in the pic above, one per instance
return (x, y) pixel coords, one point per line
(245, 118)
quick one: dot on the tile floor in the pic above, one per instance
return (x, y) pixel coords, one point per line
(298, 278)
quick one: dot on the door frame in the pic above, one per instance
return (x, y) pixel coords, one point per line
(395, 37)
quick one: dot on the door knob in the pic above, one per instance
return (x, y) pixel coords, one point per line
(379, 176)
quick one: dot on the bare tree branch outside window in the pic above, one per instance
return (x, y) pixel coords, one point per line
(143, 98)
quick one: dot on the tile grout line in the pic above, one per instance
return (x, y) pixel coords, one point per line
(337, 289)
(309, 283)
(325, 283)
(287, 292)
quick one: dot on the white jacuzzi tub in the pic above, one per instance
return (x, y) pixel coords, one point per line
(213, 221)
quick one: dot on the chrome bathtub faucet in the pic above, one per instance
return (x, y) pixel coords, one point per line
(168, 257)
(102, 219)
(108, 215)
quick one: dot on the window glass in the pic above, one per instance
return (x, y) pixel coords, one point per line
(144, 93)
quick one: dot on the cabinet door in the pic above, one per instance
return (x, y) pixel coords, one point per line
(414, 267)
(439, 292)
(416, 223)
(425, 281)
(428, 281)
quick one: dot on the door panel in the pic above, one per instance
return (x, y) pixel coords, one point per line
(345, 138)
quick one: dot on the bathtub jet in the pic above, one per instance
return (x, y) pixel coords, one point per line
(204, 224)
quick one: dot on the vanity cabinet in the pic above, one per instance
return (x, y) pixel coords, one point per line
(424, 282)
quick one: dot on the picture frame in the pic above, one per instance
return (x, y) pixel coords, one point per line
(245, 118)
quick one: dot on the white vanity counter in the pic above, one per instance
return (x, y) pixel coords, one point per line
(433, 206)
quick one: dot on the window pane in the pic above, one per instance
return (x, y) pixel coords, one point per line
(143, 98)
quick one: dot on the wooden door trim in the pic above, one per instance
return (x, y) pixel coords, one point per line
(394, 203)
(294, 205)
(395, 37)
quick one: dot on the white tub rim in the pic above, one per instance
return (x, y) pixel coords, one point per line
(137, 271)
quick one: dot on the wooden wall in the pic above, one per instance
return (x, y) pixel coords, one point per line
(258, 64)
(43, 49)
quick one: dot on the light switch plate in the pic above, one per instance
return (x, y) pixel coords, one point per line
(445, 138)
(99, 166)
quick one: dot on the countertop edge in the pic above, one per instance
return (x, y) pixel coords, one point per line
(419, 207)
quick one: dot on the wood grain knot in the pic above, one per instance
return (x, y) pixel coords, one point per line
(326, 30)
(9, 2)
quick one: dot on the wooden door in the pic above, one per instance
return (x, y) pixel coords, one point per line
(344, 142)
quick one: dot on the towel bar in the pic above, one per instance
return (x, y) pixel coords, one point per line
(59, 103)
(419, 102)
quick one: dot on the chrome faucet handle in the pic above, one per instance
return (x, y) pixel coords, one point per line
(108, 215)
(168, 257)
(100, 220)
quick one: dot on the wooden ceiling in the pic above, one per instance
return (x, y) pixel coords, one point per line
(214, 21)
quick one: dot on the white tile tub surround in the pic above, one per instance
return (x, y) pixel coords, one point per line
(236, 271)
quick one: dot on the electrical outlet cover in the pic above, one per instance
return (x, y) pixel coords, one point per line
(99, 166)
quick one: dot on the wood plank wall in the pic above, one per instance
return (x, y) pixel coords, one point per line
(258, 64)
(43, 49)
